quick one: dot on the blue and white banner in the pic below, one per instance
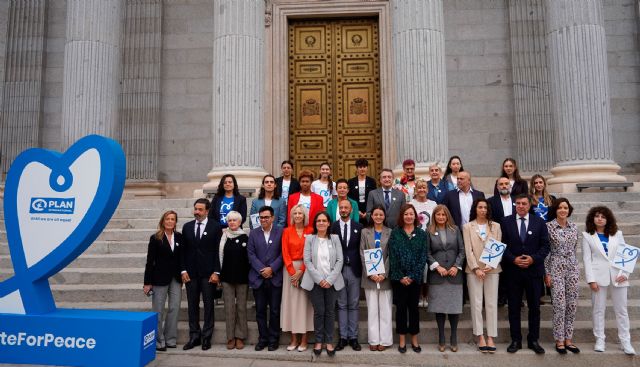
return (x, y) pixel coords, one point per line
(55, 206)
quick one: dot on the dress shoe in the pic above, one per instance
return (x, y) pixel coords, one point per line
(191, 344)
(291, 348)
(260, 346)
(381, 348)
(514, 347)
(490, 349)
(628, 349)
(341, 344)
(239, 343)
(206, 344)
(302, 348)
(402, 349)
(331, 352)
(534, 346)
(441, 347)
(561, 350)
(355, 345)
(161, 349)
(317, 351)
(373, 348)
(454, 348)
(231, 344)
(416, 348)
(572, 348)
(599, 346)
(273, 347)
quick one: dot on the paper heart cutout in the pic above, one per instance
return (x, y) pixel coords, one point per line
(87, 181)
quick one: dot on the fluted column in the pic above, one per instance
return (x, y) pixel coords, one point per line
(21, 100)
(90, 92)
(420, 82)
(533, 119)
(140, 94)
(580, 93)
(238, 92)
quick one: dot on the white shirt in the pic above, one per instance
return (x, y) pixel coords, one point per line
(285, 188)
(348, 225)
(324, 257)
(202, 226)
(507, 205)
(305, 200)
(466, 201)
(171, 237)
(266, 235)
(361, 190)
(267, 202)
(482, 228)
(322, 189)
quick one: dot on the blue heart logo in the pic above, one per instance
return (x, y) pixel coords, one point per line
(628, 255)
(55, 206)
(375, 255)
(498, 249)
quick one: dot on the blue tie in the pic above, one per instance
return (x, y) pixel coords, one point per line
(387, 200)
(523, 230)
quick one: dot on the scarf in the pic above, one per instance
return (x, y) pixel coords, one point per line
(228, 233)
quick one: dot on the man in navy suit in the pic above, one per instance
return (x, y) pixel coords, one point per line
(265, 277)
(348, 297)
(527, 243)
(200, 269)
(502, 205)
(459, 201)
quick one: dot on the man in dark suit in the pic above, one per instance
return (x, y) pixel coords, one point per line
(527, 243)
(349, 296)
(200, 270)
(360, 187)
(502, 205)
(391, 199)
(265, 277)
(459, 201)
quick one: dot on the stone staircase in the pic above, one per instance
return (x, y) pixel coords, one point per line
(109, 274)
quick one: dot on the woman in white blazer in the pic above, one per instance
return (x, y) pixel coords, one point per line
(599, 246)
(323, 279)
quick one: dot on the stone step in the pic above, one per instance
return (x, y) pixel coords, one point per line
(144, 304)
(104, 247)
(113, 261)
(429, 357)
(599, 197)
(156, 203)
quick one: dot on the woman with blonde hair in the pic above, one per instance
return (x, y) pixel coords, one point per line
(234, 275)
(296, 312)
(541, 200)
(162, 278)
(445, 258)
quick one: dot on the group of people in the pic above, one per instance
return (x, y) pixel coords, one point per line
(310, 244)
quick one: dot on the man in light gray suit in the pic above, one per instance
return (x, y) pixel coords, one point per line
(388, 197)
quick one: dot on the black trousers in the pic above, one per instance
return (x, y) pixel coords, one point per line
(517, 283)
(406, 300)
(268, 296)
(194, 288)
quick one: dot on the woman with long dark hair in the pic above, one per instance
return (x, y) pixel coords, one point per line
(324, 185)
(454, 166)
(510, 171)
(268, 196)
(226, 199)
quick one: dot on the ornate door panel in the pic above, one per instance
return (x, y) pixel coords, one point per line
(334, 95)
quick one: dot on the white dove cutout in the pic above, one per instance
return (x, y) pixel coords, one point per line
(55, 206)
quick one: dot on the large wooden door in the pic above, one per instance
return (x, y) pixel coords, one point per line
(334, 94)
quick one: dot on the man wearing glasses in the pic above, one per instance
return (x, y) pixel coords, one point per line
(265, 277)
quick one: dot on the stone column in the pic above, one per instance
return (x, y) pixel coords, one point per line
(140, 94)
(238, 92)
(21, 95)
(91, 87)
(420, 82)
(580, 93)
(533, 118)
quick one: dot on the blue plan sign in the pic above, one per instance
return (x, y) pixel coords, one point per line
(55, 206)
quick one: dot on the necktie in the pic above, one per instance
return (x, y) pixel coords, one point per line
(523, 230)
(387, 199)
(198, 231)
(344, 235)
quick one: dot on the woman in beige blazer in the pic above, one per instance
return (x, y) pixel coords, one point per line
(482, 280)
(377, 288)
(599, 245)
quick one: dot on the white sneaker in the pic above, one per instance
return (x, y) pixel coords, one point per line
(628, 349)
(599, 347)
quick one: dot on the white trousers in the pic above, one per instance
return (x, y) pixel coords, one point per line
(380, 327)
(619, 300)
(486, 289)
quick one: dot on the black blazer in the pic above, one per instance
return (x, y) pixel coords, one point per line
(200, 258)
(452, 202)
(354, 192)
(350, 253)
(497, 214)
(294, 186)
(519, 187)
(535, 245)
(162, 263)
(239, 205)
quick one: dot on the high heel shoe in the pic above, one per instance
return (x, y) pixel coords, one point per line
(317, 351)
(331, 352)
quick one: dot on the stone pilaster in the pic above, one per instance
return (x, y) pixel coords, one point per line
(238, 92)
(580, 93)
(91, 88)
(420, 82)
(21, 99)
(533, 118)
(140, 93)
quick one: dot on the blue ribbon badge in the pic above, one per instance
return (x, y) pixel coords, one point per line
(55, 206)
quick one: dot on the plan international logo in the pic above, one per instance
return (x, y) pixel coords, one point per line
(52, 206)
(55, 206)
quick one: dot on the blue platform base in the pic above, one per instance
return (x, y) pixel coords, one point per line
(74, 337)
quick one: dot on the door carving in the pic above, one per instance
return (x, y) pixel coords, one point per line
(334, 94)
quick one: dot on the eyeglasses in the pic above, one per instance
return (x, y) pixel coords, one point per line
(265, 217)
